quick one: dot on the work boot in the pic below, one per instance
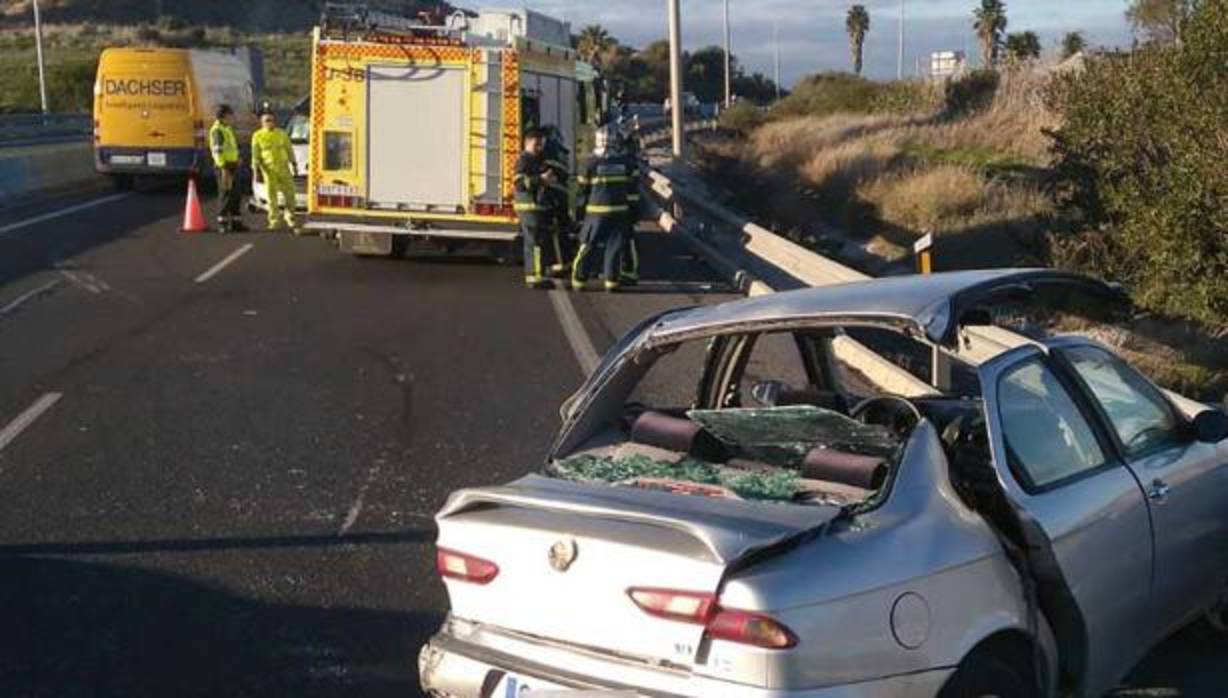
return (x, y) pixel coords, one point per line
(611, 286)
(558, 270)
(223, 226)
(239, 227)
(629, 280)
(538, 282)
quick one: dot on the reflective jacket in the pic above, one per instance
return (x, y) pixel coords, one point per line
(556, 196)
(272, 152)
(223, 144)
(529, 186)
(609, 185)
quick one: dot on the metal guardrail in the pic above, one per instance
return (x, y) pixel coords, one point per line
(679, 204)
(33, 129)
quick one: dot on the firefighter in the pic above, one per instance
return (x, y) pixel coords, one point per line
(532, 179)
(556, 199)
(605, 185)
(629, 263)
(273, 159)
(226, 160)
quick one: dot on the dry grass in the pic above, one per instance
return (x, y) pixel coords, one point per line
(902, 176)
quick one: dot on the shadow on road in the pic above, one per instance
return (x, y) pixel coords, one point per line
(426, 535)
(95, 629)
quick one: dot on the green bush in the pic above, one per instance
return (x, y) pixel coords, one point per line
(1141, 170)
(743, 117)
(972, 92)
(828, 93)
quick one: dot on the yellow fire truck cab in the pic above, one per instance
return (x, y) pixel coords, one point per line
(416, 125)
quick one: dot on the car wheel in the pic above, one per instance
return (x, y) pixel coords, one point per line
(986, 678)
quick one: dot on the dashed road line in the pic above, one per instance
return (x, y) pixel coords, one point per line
(12, 227)
(573, 329)
(27, 296)
(230, 258)
(25, 419)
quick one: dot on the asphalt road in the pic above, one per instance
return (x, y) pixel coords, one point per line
(233, 445)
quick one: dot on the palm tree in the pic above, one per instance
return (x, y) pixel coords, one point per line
(858, 25)
(990, 22)
(1021, 46)
(594, 43)
(1072, 43)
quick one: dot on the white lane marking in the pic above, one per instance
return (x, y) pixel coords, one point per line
(27, 296)
(11, 227)
(213, 271)
(25, 419)
(351, 517)
(85, 281)
(573, 329)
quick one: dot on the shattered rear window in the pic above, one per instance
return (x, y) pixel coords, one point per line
(784, 435)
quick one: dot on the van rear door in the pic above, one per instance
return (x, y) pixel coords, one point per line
(144, 100)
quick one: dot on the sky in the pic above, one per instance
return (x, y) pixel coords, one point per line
(812, 36)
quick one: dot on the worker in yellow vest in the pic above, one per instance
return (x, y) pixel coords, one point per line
(273, 160)
(224, 147)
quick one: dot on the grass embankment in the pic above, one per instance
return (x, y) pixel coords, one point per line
(71, 53)
(971, 163)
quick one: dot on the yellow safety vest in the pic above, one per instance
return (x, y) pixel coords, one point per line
(271, 151)
(223, 144)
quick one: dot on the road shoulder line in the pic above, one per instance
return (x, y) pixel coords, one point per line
(11, 227)
(581, 344)
(25, 419)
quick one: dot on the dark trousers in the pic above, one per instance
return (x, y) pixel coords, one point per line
(533, 233)
(230, 196)
(599, 234)
(629, 265)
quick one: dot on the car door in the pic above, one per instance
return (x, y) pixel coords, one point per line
(1186, 482)
(1059, 470)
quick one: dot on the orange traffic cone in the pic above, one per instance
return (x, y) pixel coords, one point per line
(193, 215)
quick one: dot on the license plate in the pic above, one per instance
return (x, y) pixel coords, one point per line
(513, 686)
(157, 159)
(127, 160)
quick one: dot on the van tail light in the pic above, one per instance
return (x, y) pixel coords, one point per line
(464, 568)
(742, 627)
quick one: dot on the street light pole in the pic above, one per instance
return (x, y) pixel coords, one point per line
(776, 59)
(728, 61)
(677, 108)
(899, 63)
(38, 47)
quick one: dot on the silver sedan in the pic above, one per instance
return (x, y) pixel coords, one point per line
(731, 509)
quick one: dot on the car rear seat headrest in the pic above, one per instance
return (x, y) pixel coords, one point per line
(866, 472)
(676, 434)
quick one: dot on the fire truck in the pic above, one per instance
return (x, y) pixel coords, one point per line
(417, 123)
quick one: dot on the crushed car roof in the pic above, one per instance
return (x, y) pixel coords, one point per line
(932, 304)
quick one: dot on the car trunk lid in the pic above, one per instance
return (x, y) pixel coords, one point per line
(568, 554)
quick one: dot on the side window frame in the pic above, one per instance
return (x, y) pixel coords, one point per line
(1086, 409)
(1119, 448)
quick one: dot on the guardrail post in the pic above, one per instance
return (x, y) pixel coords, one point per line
(924, 251)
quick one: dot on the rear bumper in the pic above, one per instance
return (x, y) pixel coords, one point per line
(120, 160)
(450, 667)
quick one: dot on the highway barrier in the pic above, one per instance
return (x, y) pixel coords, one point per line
(759, 261)
(31, 129)
(33, 169)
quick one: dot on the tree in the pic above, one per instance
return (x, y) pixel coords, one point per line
(595, 44)
(1072, 43)
(1021, 46)
(1161, 21)
(990, 22)
(857, 24)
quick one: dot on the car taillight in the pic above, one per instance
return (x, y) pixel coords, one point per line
(731, 625)
(751, 629)
(684, 606)
(465, 568)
